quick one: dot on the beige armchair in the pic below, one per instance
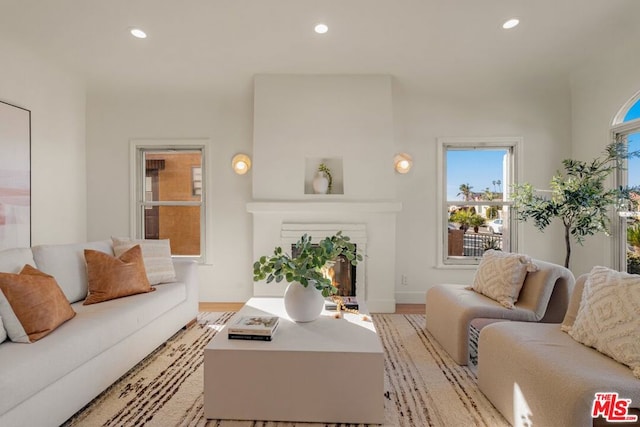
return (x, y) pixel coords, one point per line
(544, 297)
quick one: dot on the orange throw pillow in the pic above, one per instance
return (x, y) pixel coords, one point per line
(37, 301)
(110, 277)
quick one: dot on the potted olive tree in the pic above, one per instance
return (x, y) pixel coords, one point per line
(579, 197)
(306, 273)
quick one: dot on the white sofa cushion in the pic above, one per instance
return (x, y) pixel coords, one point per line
(500, 276)
(66, 263)
(12, 260)
(609, 316)
(95, 329)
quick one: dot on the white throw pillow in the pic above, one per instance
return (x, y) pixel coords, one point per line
(3, 332)
(609, 316)
(156, 255)
(500, 276)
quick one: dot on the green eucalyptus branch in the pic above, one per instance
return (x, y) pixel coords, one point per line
(307, 267)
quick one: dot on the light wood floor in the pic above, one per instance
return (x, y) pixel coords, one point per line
(235, 306)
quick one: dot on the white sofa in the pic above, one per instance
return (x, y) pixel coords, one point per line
(46, 382)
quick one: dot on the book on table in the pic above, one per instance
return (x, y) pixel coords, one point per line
(350, 302)
(253, 327)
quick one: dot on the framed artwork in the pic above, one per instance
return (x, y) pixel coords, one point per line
(15, 177)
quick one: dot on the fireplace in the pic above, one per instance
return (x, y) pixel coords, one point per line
(342, 274)
(370, 225)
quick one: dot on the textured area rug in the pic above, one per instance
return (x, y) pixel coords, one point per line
(423, 386)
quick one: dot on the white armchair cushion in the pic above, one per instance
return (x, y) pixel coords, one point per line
(500, 276)
(609, 316)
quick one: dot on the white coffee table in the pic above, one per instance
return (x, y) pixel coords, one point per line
(329, 370)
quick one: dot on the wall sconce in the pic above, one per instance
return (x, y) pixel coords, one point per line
(241, 163)
(402, 162)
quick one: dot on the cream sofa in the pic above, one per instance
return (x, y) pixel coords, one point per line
(451, 308)
(536, 374)
(46, 382)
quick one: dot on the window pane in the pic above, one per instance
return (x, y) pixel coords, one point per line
(633, 222)
(173, 176)
(475, 174)
(172, 186)
(180, 224)
(477, 215)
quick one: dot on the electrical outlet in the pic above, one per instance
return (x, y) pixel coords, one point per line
(403, 280)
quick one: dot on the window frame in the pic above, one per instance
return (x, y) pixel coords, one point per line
(137, 187)
(619, 223)
(514, 146)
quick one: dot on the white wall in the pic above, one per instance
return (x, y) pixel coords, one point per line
(56, 99)
(114, 119)
(598, 91)
(323, 116)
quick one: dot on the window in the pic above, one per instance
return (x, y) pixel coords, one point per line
(473, 210)
(169, 195)
(626, 129)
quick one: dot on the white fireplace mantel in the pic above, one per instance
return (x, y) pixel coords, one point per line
(371, 225)
(318, 206)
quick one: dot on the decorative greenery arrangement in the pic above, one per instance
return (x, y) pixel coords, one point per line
(324, 168)
(579, 197)
(308, 266)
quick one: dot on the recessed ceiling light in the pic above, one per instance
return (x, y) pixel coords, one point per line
(137, 32)
(510, 23)
(321, 28)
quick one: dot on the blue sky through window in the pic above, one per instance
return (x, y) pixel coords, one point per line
(633, 167)
(478, 168)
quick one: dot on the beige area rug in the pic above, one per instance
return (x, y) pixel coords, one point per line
(423, 386)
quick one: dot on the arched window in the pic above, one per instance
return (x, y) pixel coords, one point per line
(626, 128)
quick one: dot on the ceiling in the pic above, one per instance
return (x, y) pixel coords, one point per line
(210, 45)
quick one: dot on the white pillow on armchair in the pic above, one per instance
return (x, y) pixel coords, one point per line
(500, 276)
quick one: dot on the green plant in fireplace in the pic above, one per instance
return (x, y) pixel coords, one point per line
(310, 264)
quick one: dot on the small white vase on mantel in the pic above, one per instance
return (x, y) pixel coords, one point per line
(303, 304)
(320, 183)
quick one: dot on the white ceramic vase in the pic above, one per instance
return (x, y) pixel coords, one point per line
(303, 304)
(320, 183)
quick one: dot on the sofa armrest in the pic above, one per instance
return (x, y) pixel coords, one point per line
(546, 292)
(187, 272)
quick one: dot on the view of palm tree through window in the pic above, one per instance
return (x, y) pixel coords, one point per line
(476, 180)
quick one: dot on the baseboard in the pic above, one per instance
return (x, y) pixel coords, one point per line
(416, 297)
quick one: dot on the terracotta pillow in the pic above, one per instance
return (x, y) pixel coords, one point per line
(110, 277)
(37, 304)
(156, 255)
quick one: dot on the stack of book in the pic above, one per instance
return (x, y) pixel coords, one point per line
(349, 303)
(260, 328)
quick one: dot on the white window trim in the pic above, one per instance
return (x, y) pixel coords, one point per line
(618, 224)
(136, 193)
(514, 143)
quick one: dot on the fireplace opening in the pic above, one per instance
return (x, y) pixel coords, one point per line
(342, 274)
